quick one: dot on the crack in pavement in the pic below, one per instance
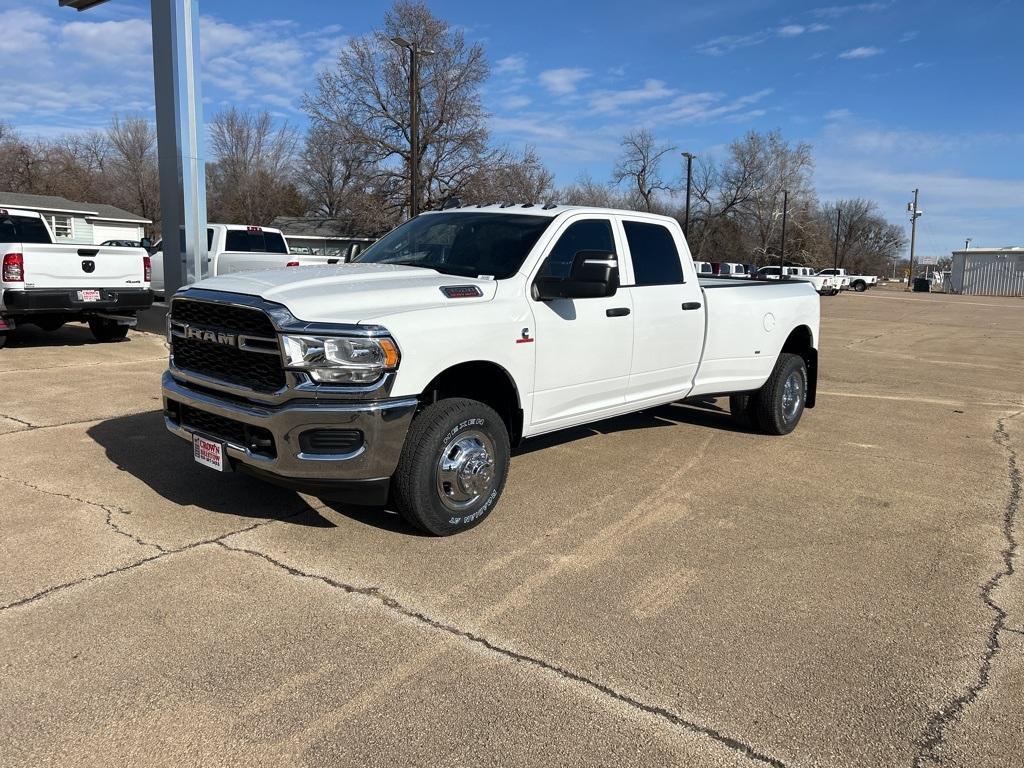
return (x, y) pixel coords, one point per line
(931, 741)
(16, 420)
(395, 606)
(108, 509)
(162, 358)
(135, 564)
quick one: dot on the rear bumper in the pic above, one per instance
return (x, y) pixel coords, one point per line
(383, 424)
(49, 301)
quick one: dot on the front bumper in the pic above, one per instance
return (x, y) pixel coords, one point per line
(48, 301)
(383, 424)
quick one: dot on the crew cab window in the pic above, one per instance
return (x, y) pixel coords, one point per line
(254, 241)
(23, 229)
(654, 254)
(587, 235)
(181, 241)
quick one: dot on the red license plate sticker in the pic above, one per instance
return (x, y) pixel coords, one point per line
(89, 296)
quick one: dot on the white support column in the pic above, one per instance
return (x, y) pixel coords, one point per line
(180, 140)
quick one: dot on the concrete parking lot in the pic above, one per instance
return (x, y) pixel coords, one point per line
(662, 589)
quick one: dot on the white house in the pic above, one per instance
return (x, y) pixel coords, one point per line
(86, 223)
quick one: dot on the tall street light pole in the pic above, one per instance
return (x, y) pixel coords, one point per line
(689, 177)
(414, 121)
(835, 259)
(915, 214)
(782, 254)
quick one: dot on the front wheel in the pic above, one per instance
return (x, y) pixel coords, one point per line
(779, 404)
(860, 286)
(453, 466)
(106, 330)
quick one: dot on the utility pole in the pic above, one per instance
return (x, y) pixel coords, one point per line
(915, 213)
(689, 176)
(414, 121)
(835, 259)
(782, 254)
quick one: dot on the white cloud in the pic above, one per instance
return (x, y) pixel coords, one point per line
(792, 30)
(862, 52)
(835, 11)
(514, 65)
(906, 37)
(835, 115)
(516, 101)
(613, 101)
(563, 81)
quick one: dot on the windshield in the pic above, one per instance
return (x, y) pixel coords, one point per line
(468, 244)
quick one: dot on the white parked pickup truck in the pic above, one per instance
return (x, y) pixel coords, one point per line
(413, 370)
(825, 286)
(48, 284)
(859, 283)
(241, 248)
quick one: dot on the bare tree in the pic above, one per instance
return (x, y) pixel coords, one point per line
(366, 97)
(767, 166)
(132, 142)
(640, 166)
(515, 178)
(333, 171)
(251, 179)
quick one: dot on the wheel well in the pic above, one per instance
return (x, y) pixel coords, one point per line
(801, 342)
(486, 382)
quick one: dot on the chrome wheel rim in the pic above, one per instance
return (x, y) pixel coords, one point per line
(465, 470)
(792, 395)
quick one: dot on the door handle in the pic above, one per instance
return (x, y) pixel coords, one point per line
(617, 312)
(691, 305)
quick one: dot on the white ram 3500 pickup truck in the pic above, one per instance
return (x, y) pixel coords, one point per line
(48, 284)
(242, 248)
(859, 283)
(414, 369)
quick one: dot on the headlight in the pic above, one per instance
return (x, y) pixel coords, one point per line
(340, 359)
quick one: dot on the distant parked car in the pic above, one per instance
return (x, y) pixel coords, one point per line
(825, 285)
(703, 268)
(728, 269)
(859, 283)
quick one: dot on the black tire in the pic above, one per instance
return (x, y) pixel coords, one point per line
(3, 340)
(741, 407)
(475, 440)
(859, 286)
(776, 411)
(105, 330)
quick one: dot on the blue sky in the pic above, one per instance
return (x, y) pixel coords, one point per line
(892, 95)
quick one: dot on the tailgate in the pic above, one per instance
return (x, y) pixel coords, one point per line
(78, 266)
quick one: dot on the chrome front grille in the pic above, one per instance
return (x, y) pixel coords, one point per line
(232, 344)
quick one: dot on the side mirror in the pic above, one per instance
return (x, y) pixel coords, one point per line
(593, 275)
(146, 243)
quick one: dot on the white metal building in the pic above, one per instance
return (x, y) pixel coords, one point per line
(85, 223)
(988, 271)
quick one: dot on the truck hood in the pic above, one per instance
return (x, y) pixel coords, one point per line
(349, 293)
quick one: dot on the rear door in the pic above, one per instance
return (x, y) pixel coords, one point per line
(668, 332)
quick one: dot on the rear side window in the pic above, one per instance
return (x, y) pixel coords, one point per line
(254, 241)
(23, 229)
(587, 235)
(654, 253)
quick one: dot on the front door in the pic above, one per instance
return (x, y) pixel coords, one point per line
(584, 346)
